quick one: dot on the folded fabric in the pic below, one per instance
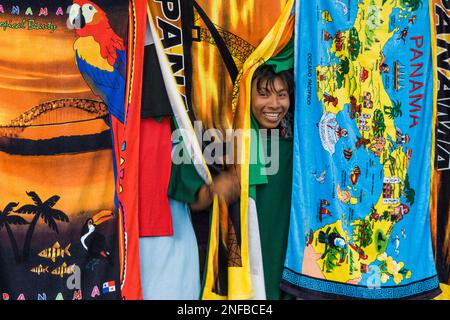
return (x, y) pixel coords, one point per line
(170, 265)
(155, 164)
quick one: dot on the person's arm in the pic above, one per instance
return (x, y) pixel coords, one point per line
(226, 185)
(203, 200)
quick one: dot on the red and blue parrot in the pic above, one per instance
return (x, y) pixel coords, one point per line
(100, 54)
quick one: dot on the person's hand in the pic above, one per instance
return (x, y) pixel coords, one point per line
(227, 185)
(204, 199)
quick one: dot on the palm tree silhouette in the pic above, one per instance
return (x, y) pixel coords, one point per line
(394, 111)
(43, 210)
(6, 219)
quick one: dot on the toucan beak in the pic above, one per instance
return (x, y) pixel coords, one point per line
(102, 216)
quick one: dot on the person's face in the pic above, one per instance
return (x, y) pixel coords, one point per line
(270, 105)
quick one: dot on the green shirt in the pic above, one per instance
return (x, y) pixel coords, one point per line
(272, 194)
(184, 183)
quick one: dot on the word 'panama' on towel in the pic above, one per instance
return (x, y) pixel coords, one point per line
(363, 152)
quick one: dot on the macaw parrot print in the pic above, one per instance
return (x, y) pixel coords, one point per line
(100, 54)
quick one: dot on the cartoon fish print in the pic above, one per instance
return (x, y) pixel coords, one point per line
(39, 269)
(55, 251)
(63, 270)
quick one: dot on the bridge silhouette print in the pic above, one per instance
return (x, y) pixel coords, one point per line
(56, 113)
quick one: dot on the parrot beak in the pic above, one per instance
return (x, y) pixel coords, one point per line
(81, 19)
(76, 18)
(102, 216)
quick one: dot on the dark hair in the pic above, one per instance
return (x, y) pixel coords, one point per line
(267, 73)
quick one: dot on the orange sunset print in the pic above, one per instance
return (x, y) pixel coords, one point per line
(56, 167)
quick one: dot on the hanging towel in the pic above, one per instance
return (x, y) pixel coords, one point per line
(360, 224)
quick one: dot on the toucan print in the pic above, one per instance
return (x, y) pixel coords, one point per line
(93, 241)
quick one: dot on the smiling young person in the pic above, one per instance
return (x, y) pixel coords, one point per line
(271, 108)
(271, 96)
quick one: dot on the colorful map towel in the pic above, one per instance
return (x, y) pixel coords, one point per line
(360, 225)
(64, 79)
(440, 214)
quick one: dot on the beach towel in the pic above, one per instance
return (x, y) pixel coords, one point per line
(360, 217)
(62, 111)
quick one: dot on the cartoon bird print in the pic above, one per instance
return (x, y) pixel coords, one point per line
(335, 241)
(100, 54)
(93, 241)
